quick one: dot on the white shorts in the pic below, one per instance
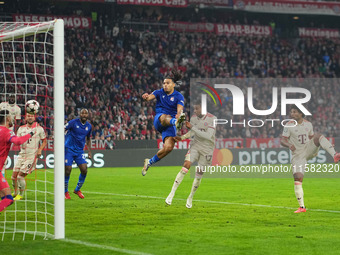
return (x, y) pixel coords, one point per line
(196, 156)
(25, 164)
(299, 161)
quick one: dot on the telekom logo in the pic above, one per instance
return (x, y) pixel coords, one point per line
(238, 100)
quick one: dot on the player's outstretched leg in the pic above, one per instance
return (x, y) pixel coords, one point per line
(169, 143)
(21, 185)
(5, 191)
(298, 178)
(195, 185)
(68, 170)
(177, 182)
(82, 177)
(15, 183)
(320, 140)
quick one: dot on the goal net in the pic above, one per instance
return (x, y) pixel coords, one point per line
(32, 68)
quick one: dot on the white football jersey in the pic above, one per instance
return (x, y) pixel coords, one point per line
(203, 124)
(13, 109)
(31, 146)
(298, 135)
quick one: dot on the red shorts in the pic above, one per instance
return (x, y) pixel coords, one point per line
(3, 182)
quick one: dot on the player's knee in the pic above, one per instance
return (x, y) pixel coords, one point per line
(14, 176)
(168, 148)
(83, 170)
(187, 164)
(20, 177)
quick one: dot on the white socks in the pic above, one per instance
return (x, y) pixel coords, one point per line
(21, 185)
(299, 193)
(178, 180)
(195, 185)
(326, 145)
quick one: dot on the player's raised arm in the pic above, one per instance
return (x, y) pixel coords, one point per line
(148, 97)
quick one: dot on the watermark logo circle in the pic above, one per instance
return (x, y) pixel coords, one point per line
(222, 157)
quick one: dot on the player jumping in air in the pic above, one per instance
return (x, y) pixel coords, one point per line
(28, 155)
(7, 137)
(169, 116)
(304, 145)
(78, 130)
(201, 150)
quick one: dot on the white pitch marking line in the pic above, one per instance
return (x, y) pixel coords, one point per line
(92, 245)
(212, 202)
(110, 248)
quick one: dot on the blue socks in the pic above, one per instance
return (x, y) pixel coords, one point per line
(2, 198)
(9, 197)
(173, 121)
(154, 159)
(80, 182)
(67, 178)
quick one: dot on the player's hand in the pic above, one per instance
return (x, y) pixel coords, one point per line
(90, 155)
(38, 153)
(188, 125)
(145, 96)
(292, 147)
(177, 138)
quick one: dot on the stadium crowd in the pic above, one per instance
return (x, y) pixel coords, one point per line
(109, 73)
(109, 67)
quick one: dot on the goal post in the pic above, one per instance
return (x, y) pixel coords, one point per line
(32, 67)
(59, 173)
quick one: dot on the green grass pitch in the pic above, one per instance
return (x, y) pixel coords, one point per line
(124, 212)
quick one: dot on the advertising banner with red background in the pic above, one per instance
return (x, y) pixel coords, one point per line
(69, 21)
(220, 29)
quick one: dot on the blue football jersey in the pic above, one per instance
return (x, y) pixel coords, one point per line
(167, 104)
(76, 135)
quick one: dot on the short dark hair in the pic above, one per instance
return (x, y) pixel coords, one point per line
(298, 109)
(3, 115)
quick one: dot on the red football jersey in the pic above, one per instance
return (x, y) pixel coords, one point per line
(5, 144)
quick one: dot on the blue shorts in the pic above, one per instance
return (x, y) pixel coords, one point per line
(165, 131)
(78, 157)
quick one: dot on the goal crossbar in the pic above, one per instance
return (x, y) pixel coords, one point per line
(9, 30)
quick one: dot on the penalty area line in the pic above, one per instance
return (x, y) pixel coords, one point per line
(105, 247)
(67, 240)
(212, 202)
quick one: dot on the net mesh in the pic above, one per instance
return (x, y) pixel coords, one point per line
(26, 73)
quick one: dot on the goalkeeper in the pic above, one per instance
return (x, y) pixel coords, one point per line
(7, 137)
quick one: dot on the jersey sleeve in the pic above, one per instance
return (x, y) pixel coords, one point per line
(157, 93)
(69, 125)
(286, 132)
(212, 123)
(180, 99)
(42, 134)
(90, 131)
